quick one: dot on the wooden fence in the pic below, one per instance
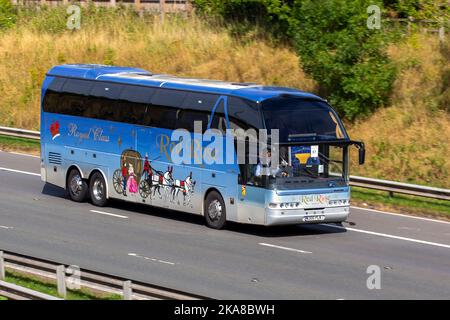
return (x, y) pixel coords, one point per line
(151, 5)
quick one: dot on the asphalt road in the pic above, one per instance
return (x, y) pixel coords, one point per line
(243, 262)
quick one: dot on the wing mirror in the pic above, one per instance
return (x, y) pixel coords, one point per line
(362, 154)
(361, 151)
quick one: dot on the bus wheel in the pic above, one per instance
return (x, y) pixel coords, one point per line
(215, 213)
(97, 189)
(77, 188)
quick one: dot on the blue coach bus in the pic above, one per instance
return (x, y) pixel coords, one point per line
(106, 132)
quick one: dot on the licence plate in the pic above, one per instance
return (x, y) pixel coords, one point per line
(314, 218)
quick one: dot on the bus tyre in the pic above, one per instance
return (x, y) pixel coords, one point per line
(77, 188)
(97, 189)
(215, 213)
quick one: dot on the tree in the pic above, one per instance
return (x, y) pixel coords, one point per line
(346, 58)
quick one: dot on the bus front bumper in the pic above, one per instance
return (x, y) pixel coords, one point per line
(302, 216)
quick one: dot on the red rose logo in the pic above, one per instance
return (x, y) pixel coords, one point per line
(54, 129)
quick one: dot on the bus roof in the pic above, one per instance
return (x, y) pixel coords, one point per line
(138, 76)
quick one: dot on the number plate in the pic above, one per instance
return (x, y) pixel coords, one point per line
(314, 218)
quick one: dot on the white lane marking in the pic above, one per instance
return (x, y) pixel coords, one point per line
(5, 227)
(283, 248)
(151, 259)
(24, 154)
(401, 215)
(20, 171)
(109, 214)
(392, 236)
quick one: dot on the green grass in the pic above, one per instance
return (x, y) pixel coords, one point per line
(400, 203)
(9, 143)
(48, 287)
(3, 298)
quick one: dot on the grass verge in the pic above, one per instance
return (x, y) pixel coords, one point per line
(49, 287)
(8, 143)
(400, 203)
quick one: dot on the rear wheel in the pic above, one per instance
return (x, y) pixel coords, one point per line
(77, 188)
(215, 212)
(97, 189)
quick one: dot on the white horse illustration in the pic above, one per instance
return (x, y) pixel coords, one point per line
(186, 187)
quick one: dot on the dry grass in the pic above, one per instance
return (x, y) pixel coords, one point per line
(180, 47)
(407, 141)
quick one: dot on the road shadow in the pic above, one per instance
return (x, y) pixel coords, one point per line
(51, 190)
(255, 230)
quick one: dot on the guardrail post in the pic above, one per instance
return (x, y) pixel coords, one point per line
(2, 266)
(162, 9)
(61, 280)
(442, 33)
(127, 290)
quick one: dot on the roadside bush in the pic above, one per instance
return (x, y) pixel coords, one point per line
(417, 9)
(348, 60)
(261, 17)
(345, 58)
(8, 14)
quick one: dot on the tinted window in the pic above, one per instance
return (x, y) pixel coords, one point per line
(219, 120)
(51, 97)
(161, 116)
(302, 119)
(137, 94)
(106, 90)
(57, 84)
(51, 101)
(134, 103)
(77, 86)
(200, 101)
(168, 98)
(186, 119)
(102, 103)
(244, 113)
(73, 99)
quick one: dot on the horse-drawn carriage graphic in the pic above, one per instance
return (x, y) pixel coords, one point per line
(129, 174)
(138, 175)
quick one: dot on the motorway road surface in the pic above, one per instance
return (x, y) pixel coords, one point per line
(243, 262)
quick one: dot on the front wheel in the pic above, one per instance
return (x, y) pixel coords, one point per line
(97, 189)
(215, 212)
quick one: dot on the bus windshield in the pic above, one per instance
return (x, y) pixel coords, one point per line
(301, 166)
(299, 119)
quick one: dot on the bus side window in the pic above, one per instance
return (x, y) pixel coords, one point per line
(52, 96)
(134, 101)
(74, 97)
(244, 114)
(102, 101)
(51, 101)
(196, 107)
(163, 109)
(218, 118)
(168, 98)
(186, 119)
